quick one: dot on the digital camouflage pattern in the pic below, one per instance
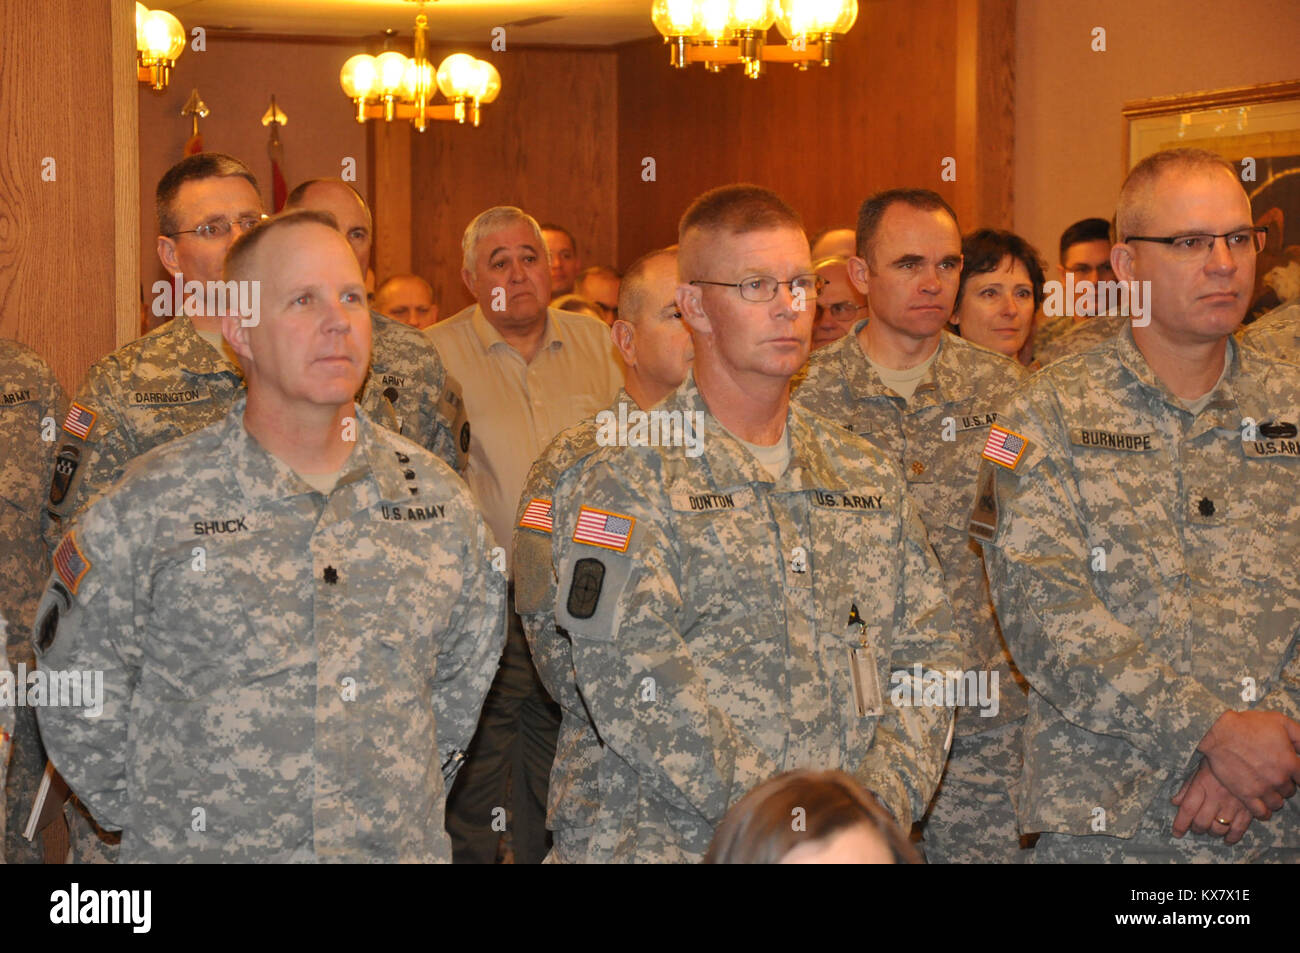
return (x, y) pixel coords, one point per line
(172, 382)
(936, 438)
(31, 407)
(1276, 333)
(715, 651)
(1142, 561)
(574, 793)
(297, 667)
(1080, 337)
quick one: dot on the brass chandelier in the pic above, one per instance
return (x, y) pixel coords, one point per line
(392, 86)
(720, 33)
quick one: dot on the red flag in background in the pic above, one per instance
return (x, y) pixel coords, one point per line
(196, 109)
(275, 118)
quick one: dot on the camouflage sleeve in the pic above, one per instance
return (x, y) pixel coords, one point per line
(442, 426)
(471, 646)
(1282, 694)
(534, 576)
(86, 627)
(625, 616)
(93, 450)
(907, 757)
(1095, 670)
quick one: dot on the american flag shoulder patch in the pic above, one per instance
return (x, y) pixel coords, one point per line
(602, 528)
(70, 562)
(537, 515)
(1004, 447)
(79, 421)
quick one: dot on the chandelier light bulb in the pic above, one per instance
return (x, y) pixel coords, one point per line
(676, 17)
(359, 77)
(391, 67)
(458, 75)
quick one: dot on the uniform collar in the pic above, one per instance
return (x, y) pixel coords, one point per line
(264, 478)
(1224, 407)
(730, 463)
(943, 380)
(192, 354)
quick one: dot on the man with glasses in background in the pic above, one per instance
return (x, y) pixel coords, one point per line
(738, 595)
(1084, 262)
(839, 304)
(1137, 505)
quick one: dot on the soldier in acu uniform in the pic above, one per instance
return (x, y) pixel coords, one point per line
(1137, 504)
(294, 609)
(183, 377)
(927, 398)
(656, 348)
(758, 602)
(31, 404)
(1276, 333)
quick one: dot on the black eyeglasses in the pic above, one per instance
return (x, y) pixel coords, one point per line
(220, 228)
(1194, 247)
(760, 288)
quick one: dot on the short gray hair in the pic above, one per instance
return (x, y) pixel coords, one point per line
(496, 217)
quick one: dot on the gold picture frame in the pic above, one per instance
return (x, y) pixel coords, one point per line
(1257, 128)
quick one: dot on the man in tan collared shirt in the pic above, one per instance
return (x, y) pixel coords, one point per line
(527, 372)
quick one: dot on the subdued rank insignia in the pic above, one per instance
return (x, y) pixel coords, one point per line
(464, 437)
(69, 562)
(854, 618)
(584, 592)
(391, 394)
(65, 468)
(984, 516)
(1004, 447)
(537, 515)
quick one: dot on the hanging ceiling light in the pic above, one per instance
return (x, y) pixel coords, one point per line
(392, 86)
(718, 33)
(159, 40)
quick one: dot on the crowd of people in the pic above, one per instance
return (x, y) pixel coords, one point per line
(764, 550)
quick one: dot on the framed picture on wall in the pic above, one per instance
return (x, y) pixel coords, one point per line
(1257, 128)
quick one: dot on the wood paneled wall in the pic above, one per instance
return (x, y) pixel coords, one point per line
(548, 145)
(68, 245)
(913, 83)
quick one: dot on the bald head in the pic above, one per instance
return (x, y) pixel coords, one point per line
(407, 298)
(346, 205)
(1137, 197)
(644, 284)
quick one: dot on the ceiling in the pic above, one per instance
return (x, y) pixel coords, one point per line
(558, 22)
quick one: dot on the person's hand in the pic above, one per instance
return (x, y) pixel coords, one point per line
(1207, 807)
(1253, 754)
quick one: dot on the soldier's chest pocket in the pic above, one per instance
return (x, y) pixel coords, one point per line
(1126, 488)
(1253, 530)
(24, 466)
(161, 417)
(856, 549)
(228, 607)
